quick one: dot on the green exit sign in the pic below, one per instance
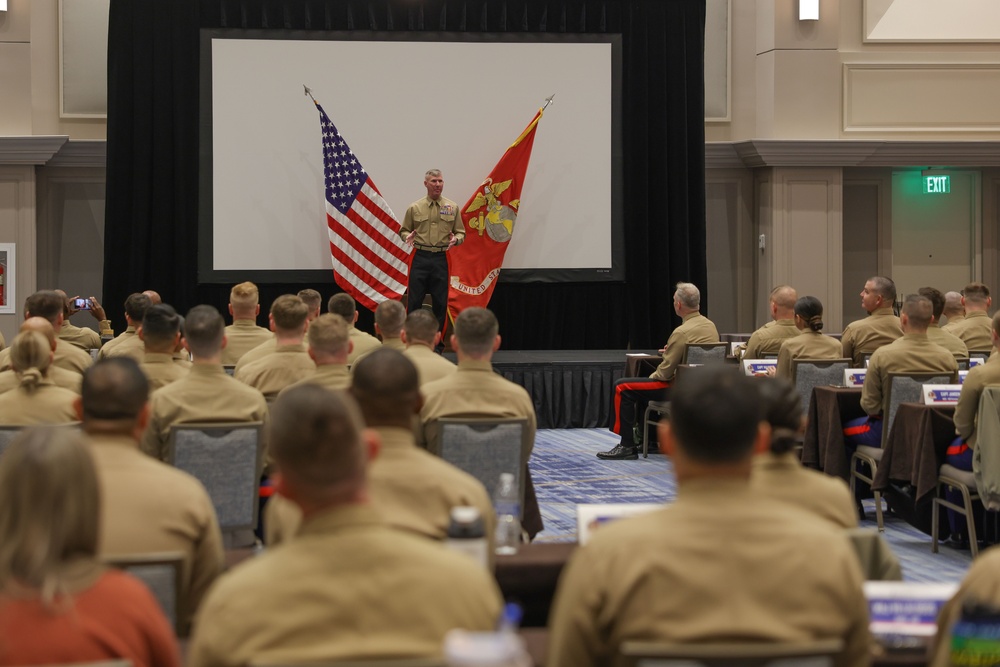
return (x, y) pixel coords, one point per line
(936, 185)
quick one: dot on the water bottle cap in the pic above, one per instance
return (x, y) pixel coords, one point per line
(464, 514)
(507, 477)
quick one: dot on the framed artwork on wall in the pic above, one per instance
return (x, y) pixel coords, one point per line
(8, 296)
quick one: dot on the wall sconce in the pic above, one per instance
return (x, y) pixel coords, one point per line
(809, 10)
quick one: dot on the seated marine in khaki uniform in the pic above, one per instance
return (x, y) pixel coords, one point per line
(343, 304)
(722, 563)
(880, 328)
(351, 586)
(83, 337)
(60, 377)
(146, 506)
(935, 333)
(49, 305)
(410, 487)
(289, 362)
(128, 342)
(243, 334)
(954, 311)
(810, 343)
(421, 336)
(329, 345)
(206, 394)
(390, 316)
(161, 336)
(36, 400)
(767, 340)
(974, 330)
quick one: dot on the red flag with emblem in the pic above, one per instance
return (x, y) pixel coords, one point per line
(489, 217)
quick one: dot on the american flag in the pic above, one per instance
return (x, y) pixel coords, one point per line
(370, 260)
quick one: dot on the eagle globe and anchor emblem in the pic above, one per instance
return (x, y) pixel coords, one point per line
(498, 219)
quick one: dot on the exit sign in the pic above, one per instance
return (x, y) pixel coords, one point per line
(937, 184)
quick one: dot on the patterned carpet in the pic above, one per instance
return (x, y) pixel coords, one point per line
(567, 472)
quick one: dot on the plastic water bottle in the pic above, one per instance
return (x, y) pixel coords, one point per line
(466, 534)
(502, 648)
(507, 502)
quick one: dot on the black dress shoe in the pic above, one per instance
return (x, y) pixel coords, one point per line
(619, 453)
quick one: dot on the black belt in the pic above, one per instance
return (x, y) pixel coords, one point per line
(430, 248)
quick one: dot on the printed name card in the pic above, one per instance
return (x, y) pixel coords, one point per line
(758, 366)
(976, 361)
(854, 377)
(591, 517)
(961, 376)
(905, 608)
(941, 394)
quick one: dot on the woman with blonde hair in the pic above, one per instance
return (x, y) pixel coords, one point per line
(58, 604)
(36, 400)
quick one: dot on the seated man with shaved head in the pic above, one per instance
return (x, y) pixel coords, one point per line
(767, 340)
(421, 336)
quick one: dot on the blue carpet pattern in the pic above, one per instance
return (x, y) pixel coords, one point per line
(566, 472)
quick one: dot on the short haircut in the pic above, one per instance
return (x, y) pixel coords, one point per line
(160, 325)
(810, 309)
(45, 303)
(953, 302)
(114, 389)
(49, 509)
(289, 312)
(431, 172)
(918, 310)
(390, 316)
(203, 331)
(311, 298)
(136, 305)
(476, 330)
(30, 356)
(329, 334)
(342, 304)
(977, 293)
(715, 414)
(42, 326)
(936, 299)
(784, 296)
(422, 326)
(386, 386)
(783, 410)
(315, 440)
(884, 287)
(244, 297)
(688, 295)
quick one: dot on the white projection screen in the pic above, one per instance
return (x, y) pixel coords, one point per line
(404, 107)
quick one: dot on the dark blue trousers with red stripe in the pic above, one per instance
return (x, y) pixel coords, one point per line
(959, 455)
(629, 399)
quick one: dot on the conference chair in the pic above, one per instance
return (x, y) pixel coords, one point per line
(965, 482)
(7, 434)
(162, 573)
(227, 459)
(903, 388)
(878, 561)
(487, 447)
(982, 355)
(820, 653)
(662, 411)
(807, 374)
(705, 353)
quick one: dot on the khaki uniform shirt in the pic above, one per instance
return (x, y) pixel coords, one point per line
(83, 337)
(912, 353)
(807, 345)
(162, 369)
(867, 335)
(150, 507)
(288, 364)
(696, 328)
(257, 353)
(47, 404)
(129, 335)
(60, 377)
(363, 344)
(434, 222)
(722, 563)
(966, 412)
(976, 331)
(952, 321)
(782, 477)
(411, 488)
(331, 376)
(241, 337)
(360, 590)
(205, 395)
(430, 365)
(948, 341)
(981, 584)
(474, 390)
(67, 356)
(768, 339)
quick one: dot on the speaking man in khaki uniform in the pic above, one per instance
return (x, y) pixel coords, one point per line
(722, 563)
(880, 328)
(974, 330)
(347, 586)
(421, 335)
(768, 339)
(243, 334)
(146, 506)
(343, 304)
(432, 225)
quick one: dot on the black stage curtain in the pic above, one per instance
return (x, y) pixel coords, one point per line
(151, 225)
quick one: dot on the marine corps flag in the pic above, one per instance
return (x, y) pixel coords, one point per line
(489, 217)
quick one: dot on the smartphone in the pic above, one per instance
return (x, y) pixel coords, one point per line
(82, 304)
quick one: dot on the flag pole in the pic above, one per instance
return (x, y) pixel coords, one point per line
(308, 91)
(548, 100)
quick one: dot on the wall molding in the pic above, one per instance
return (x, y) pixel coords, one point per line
(30, 150)
(850, 153)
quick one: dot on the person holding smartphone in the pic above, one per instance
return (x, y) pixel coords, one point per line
(84, 338)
